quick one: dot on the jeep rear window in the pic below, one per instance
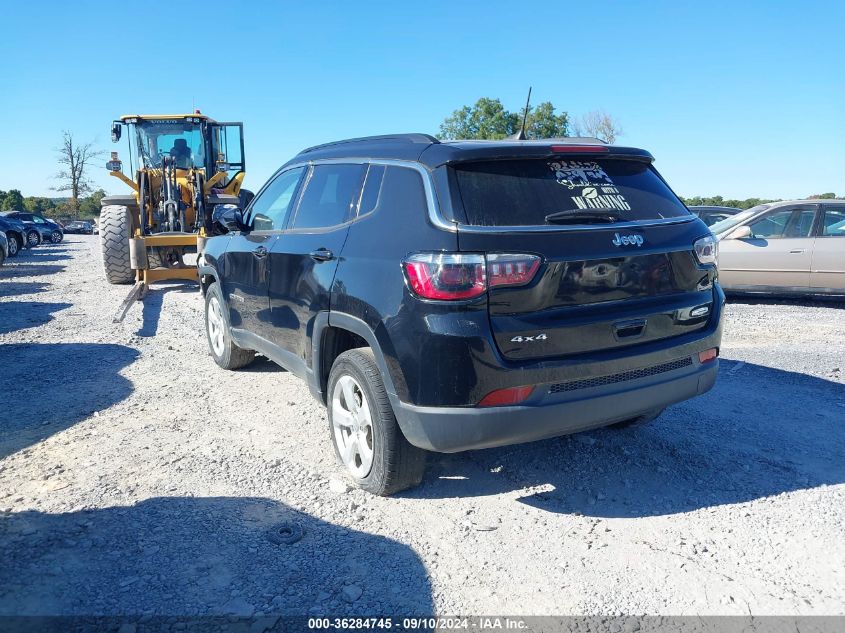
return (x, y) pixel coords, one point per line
(523, 192)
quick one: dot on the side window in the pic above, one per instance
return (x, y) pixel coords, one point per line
(270, 207)
(834, 223)
(38, 219)
(802, 223)
(372, 189)
(402, 193)
(331, 196)
(784, 223)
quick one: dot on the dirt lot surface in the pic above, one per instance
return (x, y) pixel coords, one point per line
(136, 477)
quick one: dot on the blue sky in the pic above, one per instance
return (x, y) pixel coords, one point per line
(737, 98)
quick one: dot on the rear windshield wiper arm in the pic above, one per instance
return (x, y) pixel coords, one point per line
(582, 217)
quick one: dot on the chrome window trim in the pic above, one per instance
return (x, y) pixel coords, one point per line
(437, 219)
(434, 214)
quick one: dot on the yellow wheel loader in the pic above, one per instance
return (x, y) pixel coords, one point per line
(182, 167)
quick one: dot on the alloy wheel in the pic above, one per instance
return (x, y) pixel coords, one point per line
(216, 326)
(352, 425)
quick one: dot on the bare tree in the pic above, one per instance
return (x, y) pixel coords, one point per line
(74, 160)
(597, 123)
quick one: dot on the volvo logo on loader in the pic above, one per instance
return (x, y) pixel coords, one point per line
(627, 240)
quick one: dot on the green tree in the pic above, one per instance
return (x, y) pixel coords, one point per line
(487, 119)
(38, 204)
(719, 201)
(11, 200)
(90, 205)
(542, 122)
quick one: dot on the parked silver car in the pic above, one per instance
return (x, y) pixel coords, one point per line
(795, 246)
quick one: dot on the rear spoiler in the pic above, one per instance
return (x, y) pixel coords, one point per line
(443, 154)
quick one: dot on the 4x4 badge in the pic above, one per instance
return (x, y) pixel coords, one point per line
(529, 339)
(627, 240)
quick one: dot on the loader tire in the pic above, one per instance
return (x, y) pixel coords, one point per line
(154, 257)
(115, 231)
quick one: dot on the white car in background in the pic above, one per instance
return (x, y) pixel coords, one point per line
(790, 247)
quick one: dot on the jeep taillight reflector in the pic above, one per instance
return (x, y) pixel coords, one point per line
(506, 397)
(448, 276)
(511, 270)
(454, 276)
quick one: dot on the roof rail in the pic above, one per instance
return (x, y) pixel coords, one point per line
(398, 138)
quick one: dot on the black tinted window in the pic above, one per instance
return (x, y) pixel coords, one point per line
(402, 193)
(372, 189)
(524, 192)
(270, 207)
(330, 196)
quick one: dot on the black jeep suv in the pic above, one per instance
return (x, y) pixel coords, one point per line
(445, 296)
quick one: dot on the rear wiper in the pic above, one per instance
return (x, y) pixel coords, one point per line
(596, 216)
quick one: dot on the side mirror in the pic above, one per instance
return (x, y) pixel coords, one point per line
(116, 129)
(229, 217)
(739, 233)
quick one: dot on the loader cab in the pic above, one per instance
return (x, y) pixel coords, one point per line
(192, 141)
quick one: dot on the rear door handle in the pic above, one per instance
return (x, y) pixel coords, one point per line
(260, 252)
(798, 250)
(321, 255)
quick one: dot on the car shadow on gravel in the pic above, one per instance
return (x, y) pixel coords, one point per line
(39, 256)
(202, 557)
(154, 301)
(18, 315)
(47, 388)
(262, 365)
(16, 288)
(759, 433)
(29, 270)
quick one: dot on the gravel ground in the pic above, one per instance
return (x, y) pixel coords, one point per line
(136, 477)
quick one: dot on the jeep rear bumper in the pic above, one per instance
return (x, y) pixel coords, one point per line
(557, 409)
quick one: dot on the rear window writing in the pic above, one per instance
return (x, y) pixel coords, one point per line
(524, 192)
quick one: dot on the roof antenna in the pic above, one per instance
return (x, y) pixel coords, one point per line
(520, 136)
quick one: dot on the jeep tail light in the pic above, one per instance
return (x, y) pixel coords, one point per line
(506, 397)
(454, 276)
(446, 275)
(511, 270)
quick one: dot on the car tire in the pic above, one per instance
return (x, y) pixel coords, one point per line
(640, 420)
(219, 335)
(114, 243)
(366, 437)
(56, 237)
(33, 238)
(15, 244)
